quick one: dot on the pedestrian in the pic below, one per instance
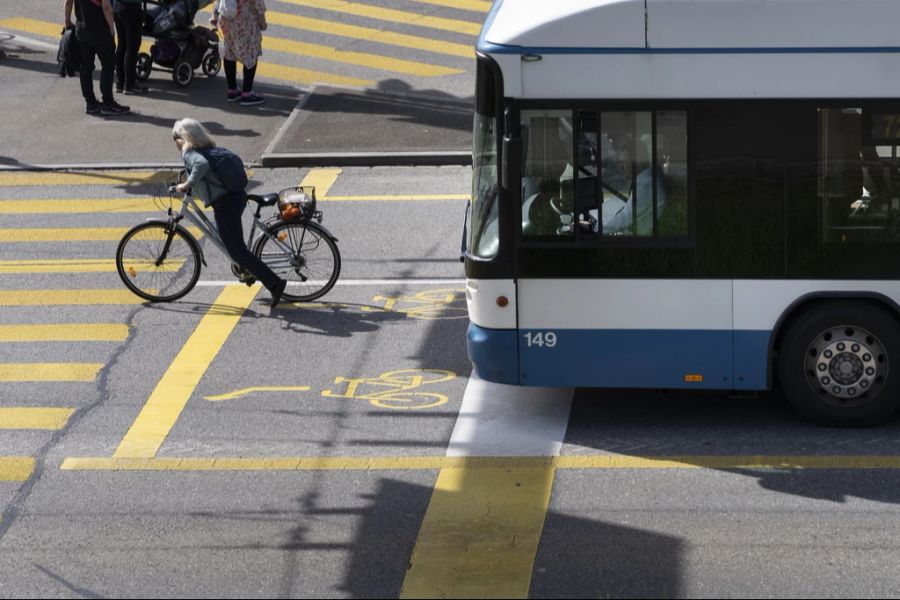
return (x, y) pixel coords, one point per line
(242, 36)
(192, 139)
(129, 18)
(95, 30)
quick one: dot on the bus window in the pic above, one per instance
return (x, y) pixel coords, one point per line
(859, 175)
(546, 210)
(671, 162)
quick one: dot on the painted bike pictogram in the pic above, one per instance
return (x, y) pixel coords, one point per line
(398, 390)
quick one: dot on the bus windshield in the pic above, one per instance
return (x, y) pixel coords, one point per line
(484, 239)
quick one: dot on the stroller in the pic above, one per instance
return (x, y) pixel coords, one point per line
(180, 47)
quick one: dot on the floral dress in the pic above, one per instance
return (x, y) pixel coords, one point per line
(242, 34)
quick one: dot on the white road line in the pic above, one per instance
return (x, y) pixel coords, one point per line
(509, 420)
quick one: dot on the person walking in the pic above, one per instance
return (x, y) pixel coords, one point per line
(129, 18)
(95, 31)
(242, 37)
(191, 139)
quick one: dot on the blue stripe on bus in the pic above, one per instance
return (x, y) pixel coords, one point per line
(494, 353)
(491, 48)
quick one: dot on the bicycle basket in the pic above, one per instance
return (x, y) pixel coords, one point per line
(297, 203)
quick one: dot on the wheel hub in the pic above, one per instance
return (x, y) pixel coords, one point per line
(846, 364)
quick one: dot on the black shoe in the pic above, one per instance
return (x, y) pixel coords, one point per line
(92, 108)
(119, 88)
(277, 292)
(135, 90)
(114, 109)
(251, 99)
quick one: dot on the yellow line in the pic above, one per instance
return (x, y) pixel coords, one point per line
(480, 534)
(70, 234)
(245, 391)
(30, 372)
(64, 332)
(77, 265)
(394, 16)
(473, 5)
(370, 34)
(16, 468)
(67, 297)
(397, 198)
(45, 178)
(297, 75)
(434, 463)
(165, 404)
(363, 59)
(34, 418)
(321, 179)
(83, 205)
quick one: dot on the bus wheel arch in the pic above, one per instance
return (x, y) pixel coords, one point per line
(837, 358)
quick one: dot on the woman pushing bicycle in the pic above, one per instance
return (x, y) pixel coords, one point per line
(217, 189)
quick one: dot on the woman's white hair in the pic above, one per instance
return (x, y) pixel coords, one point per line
(194, 134)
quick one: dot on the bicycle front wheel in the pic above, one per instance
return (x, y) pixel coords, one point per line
(302, 254)
(156, 264)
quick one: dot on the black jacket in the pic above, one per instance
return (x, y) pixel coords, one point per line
(69, 56)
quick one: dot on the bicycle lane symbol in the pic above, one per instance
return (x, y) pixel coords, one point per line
(396, 390)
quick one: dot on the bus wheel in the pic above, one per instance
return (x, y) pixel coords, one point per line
(839, 364)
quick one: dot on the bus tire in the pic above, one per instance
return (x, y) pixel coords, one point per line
(839, 364)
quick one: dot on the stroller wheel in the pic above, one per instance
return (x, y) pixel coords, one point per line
(182, 73)
(211, 64)
(144, 66)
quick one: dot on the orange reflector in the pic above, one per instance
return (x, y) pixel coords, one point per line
(502, 301)
(693, 378)
(132, 272)
(282, 236)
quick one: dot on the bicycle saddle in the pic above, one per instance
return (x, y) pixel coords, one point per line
(264, 200)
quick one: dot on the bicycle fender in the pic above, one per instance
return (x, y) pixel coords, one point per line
(326, 232)
(187, 234)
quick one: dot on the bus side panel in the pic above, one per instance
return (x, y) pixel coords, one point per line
(638, 333)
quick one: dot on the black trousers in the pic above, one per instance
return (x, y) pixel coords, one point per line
(102, 45)
(227, 212)
(129, 24)
(231, 76)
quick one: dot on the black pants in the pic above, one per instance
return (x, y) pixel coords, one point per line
(129, 24)
(228, 211)
(102, 45)
(231, 76)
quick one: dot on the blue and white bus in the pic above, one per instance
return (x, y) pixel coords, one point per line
(699, 194)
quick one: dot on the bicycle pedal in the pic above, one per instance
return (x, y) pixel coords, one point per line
(248, 282)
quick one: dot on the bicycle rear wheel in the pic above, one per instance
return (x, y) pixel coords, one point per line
(158, 265)
(313, 264)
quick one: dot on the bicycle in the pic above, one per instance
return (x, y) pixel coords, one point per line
(160, 260)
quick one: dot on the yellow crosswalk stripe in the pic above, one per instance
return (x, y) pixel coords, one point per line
(70, 234)
(68, 297)
(84, 205)
(34, 372)
(27, 417)
(370, 34)
(388, 14)
(473, 5)
(45, 178)
(16, 468)
(64, 332)
(82, 265)
(363, 59)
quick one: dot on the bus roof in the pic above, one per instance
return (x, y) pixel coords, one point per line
(521, 26)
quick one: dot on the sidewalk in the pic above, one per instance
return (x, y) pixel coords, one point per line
(45, 125)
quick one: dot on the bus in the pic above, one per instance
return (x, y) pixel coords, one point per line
(690, 194)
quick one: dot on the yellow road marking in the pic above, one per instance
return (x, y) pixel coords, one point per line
(64, 332)
(362, 59)
(473, 5)
(46, 178)
(370, 34)
(34, 417)
(395, 198)
(16, 468)
(68, 297)
(296, 75)
(321, 179)
(165, 404)
(435, 463)
(81, 265)
(71, 234)
(245, 391)
(480, 534)
(84, 205)
(30, 372)
(394, 16)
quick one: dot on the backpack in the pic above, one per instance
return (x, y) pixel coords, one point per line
(228, 8)
(68, 57)
(228, 167)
